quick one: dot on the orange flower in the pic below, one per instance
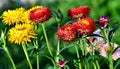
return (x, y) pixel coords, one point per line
(80, 12)
(67, 33)
(40, 14)
(85, 26)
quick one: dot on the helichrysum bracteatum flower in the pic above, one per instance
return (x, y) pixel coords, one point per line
(40, 14)
(26, 19)
(104, 21)
(11, 17)
(85, 26)
(21, 33)
(67, 33)
(80, 12)
(105, 49)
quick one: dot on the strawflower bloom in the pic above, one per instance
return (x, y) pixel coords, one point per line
(104, 21)
(21, 33)
(105, 49)
(11, 17)
(80, 12)
(40, 14)
(62, 63)
(25, 18)
(85, 26)
(67, 33)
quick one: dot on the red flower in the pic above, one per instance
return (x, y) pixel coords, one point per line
(62, 63)
(80, 12)
(67, 33)
(40, 14)
(85, 26)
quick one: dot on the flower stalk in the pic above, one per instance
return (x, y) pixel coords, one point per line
(26, 54)
(78, 56)
(48, 46)
(37, 46)
(6, 50)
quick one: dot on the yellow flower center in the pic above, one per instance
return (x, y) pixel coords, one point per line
(68, 28)
(85, 22)
(38, 11)
(107, 49)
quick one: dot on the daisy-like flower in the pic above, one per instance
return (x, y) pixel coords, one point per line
(104, 21)
(85, 26)
(11, 17)
(26, 19)
(105, 49)
(40, 14)
(21, 33)
(62, 63)
(67, 33)
(80, 12)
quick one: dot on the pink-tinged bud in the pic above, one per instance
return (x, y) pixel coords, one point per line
(62, 63)
(104, 21)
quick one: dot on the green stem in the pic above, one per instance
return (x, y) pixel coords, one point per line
(78, 56)
(37, 56)
(98, 66)
(110, 61)
(58, 51)
(6, 50)
(48, 46)
(36, 44)
(94, 65)
(26, 54)
(9, 56)
(82, 46)
(106, 36)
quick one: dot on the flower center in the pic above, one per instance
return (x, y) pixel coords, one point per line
(107, 49)
(38, 11)
(85, 22)
(68, 28)
(22, 28)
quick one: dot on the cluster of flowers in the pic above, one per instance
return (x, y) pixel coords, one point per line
(84, 25)
(24, 21)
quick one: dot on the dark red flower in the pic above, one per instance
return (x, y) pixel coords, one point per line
(85, 26)
(104, 21)
(80, 12)
(67, 33)
(62, 63)
(40, 14)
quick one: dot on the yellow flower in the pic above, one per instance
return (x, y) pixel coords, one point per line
(21, 33)
(11, 17)
(26, 19)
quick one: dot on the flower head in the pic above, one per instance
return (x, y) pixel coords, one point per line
(40, 14)
(62, 63)
(25, 18)
(80, 12)
(105, 49)
(11, 17)
(85, 26)
(104, 21)
(67, 33)
(21, 33)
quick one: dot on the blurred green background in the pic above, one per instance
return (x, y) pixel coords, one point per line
(110, 8)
